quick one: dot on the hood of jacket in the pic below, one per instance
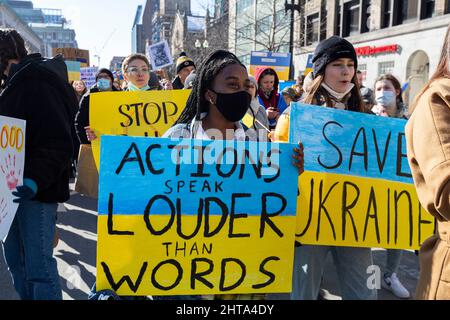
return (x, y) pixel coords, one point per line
(258, 74)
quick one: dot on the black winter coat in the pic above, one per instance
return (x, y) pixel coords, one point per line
(37, 91)
(82, 117)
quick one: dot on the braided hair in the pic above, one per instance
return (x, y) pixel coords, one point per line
(12, 46)
(210, 67)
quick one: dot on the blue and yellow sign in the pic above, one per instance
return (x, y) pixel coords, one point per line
(279, 61)
(357, 189)
(195, 217)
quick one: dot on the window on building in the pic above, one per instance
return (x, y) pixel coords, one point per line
(363, 69)
(323, 23)
(246, 32)
(351, 18)
(312, 29)
(242, 5)
(447, 6)
(263, 25)
(337, 26)
(386, 15)
(385, 67)
(365, 17)
(245, 59)
(405, 11)
(427, 9)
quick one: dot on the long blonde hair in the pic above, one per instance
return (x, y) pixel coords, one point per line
(442, 70)
(354, 103)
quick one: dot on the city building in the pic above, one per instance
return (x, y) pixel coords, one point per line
(137, 32)
(402, 37)
(188, 35)
(217, 27)
(49, 24)
(257, 25)
(10, 19)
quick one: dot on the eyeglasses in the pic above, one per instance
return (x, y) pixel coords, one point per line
(135, 70)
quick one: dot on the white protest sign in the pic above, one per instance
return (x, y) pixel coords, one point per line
(12, 160)
(159, 55)
(88, 75)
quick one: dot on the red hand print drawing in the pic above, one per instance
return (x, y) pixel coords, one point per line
(8, 168)
(3, 211)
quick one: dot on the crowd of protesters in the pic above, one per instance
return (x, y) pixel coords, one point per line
(37, 90)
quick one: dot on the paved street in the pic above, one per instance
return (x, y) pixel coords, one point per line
(76, 254)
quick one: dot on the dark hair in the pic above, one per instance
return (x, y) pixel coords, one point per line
(395, 83)
(442, 69)
(107, 71)
(266, 72)
(12, 46)
(211, 66)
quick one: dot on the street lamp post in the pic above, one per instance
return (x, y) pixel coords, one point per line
(292, 7)
(199, 46)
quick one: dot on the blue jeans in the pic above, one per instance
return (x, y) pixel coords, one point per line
(393, 257)
(28, 251)
(351, 265)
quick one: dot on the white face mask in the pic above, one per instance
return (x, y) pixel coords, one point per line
(386, 98)
(338, 95)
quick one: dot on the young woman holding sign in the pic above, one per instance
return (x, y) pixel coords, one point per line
(428, 144)
(218, 102)
(334, 85)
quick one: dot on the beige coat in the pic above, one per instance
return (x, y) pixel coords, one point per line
(428, 142)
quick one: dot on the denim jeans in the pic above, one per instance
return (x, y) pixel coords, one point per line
(393, 257)
(351, 265)
(28, 251)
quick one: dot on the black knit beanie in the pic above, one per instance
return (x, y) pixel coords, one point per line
(332, 49)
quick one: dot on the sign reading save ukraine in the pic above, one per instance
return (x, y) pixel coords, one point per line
(357, 189)
(182, 217)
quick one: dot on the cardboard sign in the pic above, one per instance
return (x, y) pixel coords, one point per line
(12, 160)
(144, 114)
(73, 54)
(357, 189)
(188, 217)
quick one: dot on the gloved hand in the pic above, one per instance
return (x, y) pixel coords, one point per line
(26, 191)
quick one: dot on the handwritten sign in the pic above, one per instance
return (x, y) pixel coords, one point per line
(195, 217)
(12, 159)
(88, 75)
(357, 189)
(144, 114)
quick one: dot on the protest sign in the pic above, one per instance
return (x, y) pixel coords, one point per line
(12, 160)
(159, 55)
(278, 61)
(195, 217)
(73, 54)
(357, 189)
(88, 75)
(145, 114)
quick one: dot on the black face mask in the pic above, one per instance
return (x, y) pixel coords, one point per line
(233, 106)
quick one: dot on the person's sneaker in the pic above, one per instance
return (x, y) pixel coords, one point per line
(394, 285)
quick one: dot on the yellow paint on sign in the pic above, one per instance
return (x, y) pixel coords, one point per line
(167, 264)
(146, 113)
(343, 210)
